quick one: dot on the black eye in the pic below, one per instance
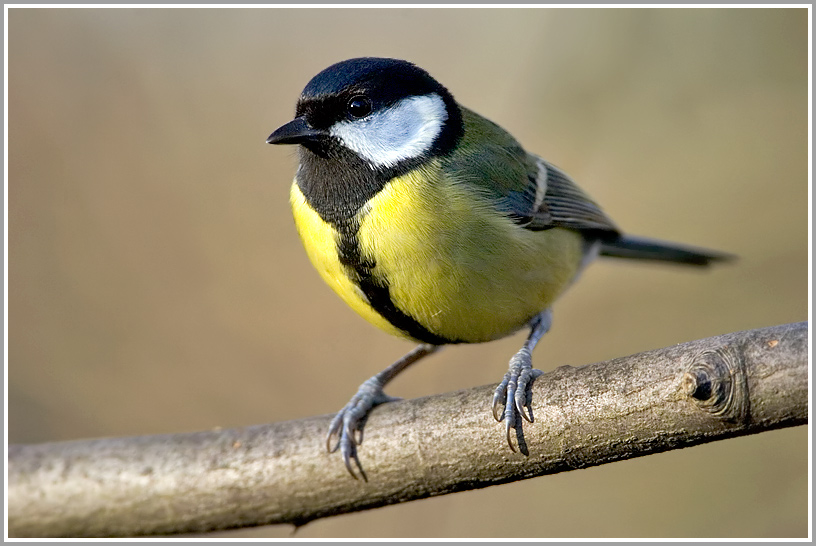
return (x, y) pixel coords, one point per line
(359, 107)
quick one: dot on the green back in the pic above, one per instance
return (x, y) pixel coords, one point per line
(490, 159)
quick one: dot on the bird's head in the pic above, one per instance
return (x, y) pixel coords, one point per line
(388, 113)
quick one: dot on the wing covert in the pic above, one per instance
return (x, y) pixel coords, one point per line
(532, 192)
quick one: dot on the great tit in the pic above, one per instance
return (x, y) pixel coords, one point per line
(434, 224)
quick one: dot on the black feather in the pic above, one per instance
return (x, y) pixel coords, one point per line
(640, 248)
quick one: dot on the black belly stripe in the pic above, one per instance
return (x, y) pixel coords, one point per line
(376, 289)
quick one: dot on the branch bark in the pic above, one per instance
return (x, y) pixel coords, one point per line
(679, 396)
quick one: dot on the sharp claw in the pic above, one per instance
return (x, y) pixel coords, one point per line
(510, 438)
(347, 459)
(349, 455)
(498, 408)
(499, 397)
(329, 447)
(334, 432)
(497, 411)
(533, 375)
(509, 407)
(360, 468)
(521, 403)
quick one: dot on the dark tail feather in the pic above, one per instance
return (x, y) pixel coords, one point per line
(639, 248)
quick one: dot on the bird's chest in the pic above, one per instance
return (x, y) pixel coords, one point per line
(423, 252)
(458, 267)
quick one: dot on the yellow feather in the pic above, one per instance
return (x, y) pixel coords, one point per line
(320, 240)
(451, 262)
(462, 270)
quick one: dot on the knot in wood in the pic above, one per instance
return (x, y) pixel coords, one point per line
(717, 384)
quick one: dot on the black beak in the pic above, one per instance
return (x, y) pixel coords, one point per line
(296, 131)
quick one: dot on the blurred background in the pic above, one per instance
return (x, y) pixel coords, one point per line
(157, 285)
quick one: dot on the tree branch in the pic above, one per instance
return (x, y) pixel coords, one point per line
(696, 392)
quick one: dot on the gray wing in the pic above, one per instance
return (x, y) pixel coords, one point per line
(559, 202)
(565, 205)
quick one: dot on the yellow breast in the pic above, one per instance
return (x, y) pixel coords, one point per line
(320, 241)
(461, 270)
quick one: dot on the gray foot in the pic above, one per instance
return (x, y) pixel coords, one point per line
(514, 393)
(346, 429)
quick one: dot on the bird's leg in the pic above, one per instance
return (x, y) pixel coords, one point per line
(514, 393)
(346, 429)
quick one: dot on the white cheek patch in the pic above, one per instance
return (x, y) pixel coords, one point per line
(403, 131)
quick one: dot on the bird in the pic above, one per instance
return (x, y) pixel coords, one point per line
(436, 225)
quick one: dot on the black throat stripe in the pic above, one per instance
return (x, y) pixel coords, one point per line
(337, 184)
(376, 289)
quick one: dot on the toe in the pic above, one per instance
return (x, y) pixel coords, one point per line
(349, 452)
(333, 437)
(523, 398)
(500, 397)
(514, 394)
(510, 426)
(346, 428)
